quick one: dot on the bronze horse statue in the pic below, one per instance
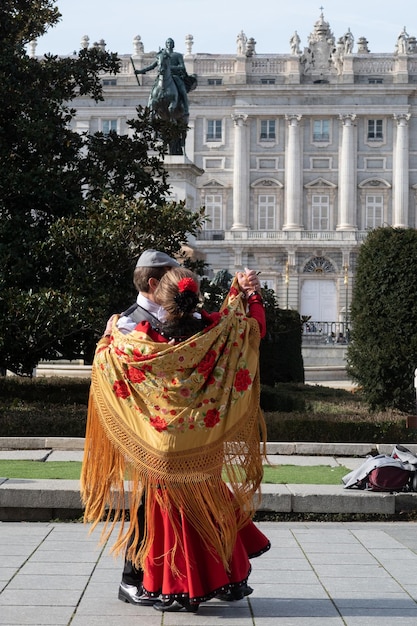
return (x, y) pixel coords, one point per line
(165, 102)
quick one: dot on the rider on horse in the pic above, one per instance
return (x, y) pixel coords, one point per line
(183, 81)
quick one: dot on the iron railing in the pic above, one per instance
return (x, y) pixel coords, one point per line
(326, 333)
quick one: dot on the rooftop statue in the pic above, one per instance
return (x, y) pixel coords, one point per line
(295, 44)
(168, 98)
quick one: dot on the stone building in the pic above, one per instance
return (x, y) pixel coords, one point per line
(295, 155)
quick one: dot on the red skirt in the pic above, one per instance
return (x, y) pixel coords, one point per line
(198, 573)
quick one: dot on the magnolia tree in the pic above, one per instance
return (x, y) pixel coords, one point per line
(70, 221)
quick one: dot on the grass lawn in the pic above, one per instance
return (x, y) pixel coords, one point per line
(70, 470)
(304, 475)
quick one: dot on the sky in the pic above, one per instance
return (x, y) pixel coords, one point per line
(214, 24)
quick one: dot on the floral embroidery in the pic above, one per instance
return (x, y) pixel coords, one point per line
(121, 389)
(141, 355)
(243, 380)
(206, 364)
(158, 423)
(211, 418)
(135, 375)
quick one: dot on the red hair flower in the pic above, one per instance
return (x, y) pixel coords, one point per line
(187, 284)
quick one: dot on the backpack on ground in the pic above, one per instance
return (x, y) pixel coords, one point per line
(397, 472)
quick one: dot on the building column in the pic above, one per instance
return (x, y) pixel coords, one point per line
(293, 175)
(240, 173)
(347, 175)
(401, 173)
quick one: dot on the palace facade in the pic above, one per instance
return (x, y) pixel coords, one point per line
(296, 155)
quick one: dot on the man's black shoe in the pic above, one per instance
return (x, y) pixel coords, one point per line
(172, 606)
(130, 593)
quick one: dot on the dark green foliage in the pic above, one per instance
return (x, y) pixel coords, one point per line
(299, 429)
(57, 407)
(281, 359)
(280, 399)
(382, 356)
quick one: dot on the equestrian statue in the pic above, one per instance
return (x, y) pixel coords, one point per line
(168, 99)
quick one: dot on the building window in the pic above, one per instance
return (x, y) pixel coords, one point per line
(109, 82)
(214, 130)
(108, 126)
(266, 212)
(321, 130)
(267, 283)
(267, 81)
(320, 212)
(375, 130)
(375, 81)
(319, 265)
(374, 210)
(267, 130)
(215, 81)
(213, 209)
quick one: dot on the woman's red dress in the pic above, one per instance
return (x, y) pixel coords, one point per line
(198, 574)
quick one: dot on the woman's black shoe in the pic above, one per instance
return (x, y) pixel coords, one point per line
(173, 606)
(235, 594)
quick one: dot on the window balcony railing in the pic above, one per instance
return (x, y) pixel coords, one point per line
(211, 235)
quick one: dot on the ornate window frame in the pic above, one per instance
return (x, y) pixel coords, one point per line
(321, 186)
(271, 187)
(368, 186)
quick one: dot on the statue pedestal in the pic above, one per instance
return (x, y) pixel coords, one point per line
(182, 177)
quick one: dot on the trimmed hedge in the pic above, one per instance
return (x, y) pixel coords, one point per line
(57, 407)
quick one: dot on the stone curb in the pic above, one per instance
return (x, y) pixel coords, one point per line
(43, 500)
(287, 448)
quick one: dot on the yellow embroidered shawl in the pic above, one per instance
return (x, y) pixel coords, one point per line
(171, 419)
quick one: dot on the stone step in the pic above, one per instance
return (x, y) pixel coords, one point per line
(45, 500)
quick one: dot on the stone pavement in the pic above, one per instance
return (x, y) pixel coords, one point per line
(332, 574)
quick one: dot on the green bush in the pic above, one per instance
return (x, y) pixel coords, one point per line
(324, 431)
(57, 407)
(278, 399)
(382, 355)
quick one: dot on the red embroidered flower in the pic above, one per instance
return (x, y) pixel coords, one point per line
(187, 284)
(233, 291)
(242, 380)
(158, 423)
(121, 389)
(185, 392)
(207, 363)
(212, 418)
(138, 356)
(135, 375)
